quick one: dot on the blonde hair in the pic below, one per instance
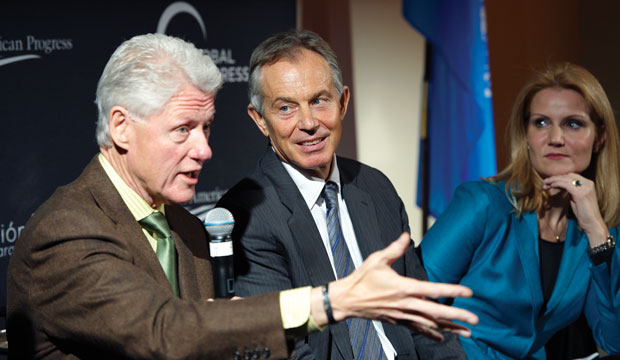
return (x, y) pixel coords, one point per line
(523, 183)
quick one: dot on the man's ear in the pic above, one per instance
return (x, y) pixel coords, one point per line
(344, 101)
(119, 126)
(259, 120)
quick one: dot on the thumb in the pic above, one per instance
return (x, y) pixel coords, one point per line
(397, 248)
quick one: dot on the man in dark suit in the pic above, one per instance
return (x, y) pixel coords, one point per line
(112, 267)
(283, 211)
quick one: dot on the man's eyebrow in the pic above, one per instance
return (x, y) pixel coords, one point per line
(283, 99)
(323, 93)
(314, 96)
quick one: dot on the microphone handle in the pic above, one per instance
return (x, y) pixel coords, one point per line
(223, 270)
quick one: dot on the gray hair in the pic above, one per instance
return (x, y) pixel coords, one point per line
(288, 45)
(145, 72)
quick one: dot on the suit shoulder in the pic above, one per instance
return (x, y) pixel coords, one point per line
(66, 202)
(68, 214)
(362, 173)
(485, 192)
(492, 189)
(250, 190)
(351, 165)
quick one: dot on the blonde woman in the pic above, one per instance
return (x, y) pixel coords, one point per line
(536, 242)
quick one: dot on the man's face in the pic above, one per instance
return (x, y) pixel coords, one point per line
(302, 112)
(166, 151)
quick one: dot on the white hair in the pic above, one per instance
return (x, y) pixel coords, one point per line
(145, 72)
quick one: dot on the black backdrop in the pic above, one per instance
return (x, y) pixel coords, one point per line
(51, 56)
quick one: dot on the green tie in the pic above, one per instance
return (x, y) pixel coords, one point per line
(157, 224)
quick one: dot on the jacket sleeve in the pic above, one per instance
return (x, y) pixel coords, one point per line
(602, 307)
(449, 246)
(86, 293)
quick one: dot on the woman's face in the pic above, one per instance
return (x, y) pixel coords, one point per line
(560, 134)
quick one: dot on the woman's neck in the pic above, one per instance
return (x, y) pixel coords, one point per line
(552, 221)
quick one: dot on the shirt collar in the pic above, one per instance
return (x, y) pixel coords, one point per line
(310, 186)
(138, 207)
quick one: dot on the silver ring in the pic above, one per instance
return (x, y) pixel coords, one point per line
(577, 182)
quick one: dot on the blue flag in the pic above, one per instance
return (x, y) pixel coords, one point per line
(460, 114)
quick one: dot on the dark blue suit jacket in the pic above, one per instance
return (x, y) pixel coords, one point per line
(281, 247)
(480, 242)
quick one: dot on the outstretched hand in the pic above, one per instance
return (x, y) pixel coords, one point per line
(375, 291)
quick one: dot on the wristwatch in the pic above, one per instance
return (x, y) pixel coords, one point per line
(601, 253)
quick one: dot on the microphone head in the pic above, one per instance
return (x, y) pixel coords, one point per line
(219, 222)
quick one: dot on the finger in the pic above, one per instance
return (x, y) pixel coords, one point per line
(447, 325)
(567, 182)
(567, 176)
(555, 182)
(422, 323)
(430, 333)
(428, 312)
(438, 290)
(438, 311)
(436, 324)
(464, 333)
(407, 319)
(455, 328)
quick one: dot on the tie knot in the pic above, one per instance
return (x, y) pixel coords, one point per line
(156, 223)
(330, 193)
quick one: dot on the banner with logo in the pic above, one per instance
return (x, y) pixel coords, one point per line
(51, 56)
(460, 113)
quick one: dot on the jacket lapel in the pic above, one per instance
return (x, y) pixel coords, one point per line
(129, 231)
(186, 271)
(574, 256)
(301, 223)
(363, 217)
(306, 238)
(193, 265)
(527, 246)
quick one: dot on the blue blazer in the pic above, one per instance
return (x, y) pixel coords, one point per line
(480, 242)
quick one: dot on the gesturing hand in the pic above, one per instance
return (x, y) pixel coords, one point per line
(375, 291)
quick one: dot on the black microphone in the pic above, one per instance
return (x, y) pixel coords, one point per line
(219, 223)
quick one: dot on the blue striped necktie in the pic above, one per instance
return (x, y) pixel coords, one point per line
(364, 339)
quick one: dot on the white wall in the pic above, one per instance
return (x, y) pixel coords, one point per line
(388, 58)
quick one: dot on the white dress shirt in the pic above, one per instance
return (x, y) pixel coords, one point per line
(311, 188)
